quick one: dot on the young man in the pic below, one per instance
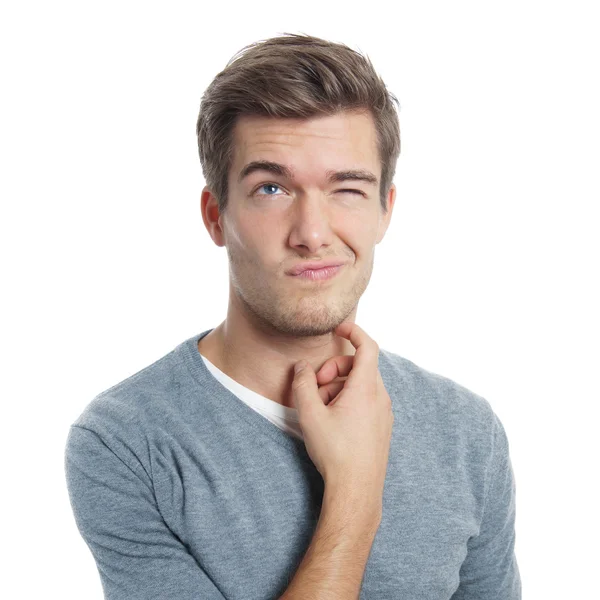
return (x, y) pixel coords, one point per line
(220, 472)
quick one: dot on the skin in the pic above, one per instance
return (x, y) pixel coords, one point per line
(271, 224)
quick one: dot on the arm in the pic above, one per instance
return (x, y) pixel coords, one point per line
(137, 555)
(334, 564)
(490, 568)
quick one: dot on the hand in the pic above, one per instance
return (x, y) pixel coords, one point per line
(347, 425)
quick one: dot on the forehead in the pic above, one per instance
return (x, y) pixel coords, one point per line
(343, 140)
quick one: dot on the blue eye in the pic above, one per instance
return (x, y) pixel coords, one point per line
(264, 185)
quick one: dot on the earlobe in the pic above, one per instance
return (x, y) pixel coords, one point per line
(386, 218)
(391, 199)
(211, 217)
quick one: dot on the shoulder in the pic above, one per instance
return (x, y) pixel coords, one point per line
(434, 400)
(128, 416)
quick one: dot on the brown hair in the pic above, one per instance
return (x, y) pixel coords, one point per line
(293, 76)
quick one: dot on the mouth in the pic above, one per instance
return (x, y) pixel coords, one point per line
(318, 274)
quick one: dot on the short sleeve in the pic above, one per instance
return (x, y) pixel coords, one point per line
(137, 555)
(490, 568)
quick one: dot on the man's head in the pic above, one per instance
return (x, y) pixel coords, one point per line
(292, 76)
(325, 131)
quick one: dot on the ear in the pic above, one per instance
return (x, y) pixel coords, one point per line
(209, 207)
(385, 219)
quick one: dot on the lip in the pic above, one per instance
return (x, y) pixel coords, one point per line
(319, 265)
(319, 274)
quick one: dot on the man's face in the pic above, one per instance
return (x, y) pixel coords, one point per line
(273, 222)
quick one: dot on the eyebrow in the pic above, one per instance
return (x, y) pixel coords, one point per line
(284, 171)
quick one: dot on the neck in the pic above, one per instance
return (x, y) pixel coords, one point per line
(263, 360)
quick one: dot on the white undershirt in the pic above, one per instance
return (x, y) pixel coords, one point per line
(284, 417)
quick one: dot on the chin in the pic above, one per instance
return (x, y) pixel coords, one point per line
(318, 322)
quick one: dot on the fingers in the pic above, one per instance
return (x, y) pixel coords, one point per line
(336, 366)
(304, 388)
(330, 390)
(366, 358)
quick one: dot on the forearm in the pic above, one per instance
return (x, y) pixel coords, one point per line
(334, 564)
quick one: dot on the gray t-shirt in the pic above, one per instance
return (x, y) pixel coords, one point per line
(182, 491)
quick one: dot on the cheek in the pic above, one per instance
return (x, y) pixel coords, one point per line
(257, 243)
(249, 234)
(359, 237)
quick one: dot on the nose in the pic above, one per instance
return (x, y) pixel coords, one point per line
(311, 226)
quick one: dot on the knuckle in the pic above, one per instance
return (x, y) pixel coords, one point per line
(299, 383)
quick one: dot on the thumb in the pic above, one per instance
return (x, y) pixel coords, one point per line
(305, 392)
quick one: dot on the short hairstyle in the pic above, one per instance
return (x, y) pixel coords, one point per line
(293, 76)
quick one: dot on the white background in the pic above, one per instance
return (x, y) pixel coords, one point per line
(488, 273)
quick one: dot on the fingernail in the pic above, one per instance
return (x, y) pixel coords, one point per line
(299, 366)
